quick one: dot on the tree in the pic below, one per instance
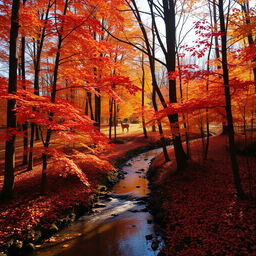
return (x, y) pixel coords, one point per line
(143, 96)
(8, 186)
(23, 75)
(167, 10)
(224, 62)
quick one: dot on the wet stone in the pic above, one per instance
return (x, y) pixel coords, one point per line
(99, 206)
(121, 176)
(149, 237)
(143, 199)
(28, 249)
(155, 245)
(123, 196)
(134, 211)
(104, 196)
(103, 189)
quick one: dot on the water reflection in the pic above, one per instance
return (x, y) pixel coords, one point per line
(117, 229)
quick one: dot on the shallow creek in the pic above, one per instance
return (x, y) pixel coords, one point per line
(120, 224)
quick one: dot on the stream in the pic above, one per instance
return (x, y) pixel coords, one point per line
(120, 224)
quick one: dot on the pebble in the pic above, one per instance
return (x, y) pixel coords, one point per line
(154, 245)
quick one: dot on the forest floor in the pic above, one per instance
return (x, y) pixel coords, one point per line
(200, 211)
(30, 213)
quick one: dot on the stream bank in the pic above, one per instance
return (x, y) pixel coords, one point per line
(38, 234)
(120, 223)
(199, 209)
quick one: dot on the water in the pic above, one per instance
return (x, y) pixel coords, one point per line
(118, 229)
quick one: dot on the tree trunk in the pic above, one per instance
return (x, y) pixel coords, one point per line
(169, 18)
(110, 118)
(170, 56)
(217, 53)
(37, 133)
(245, 8)
(53, 98)
(97, 112)
(115, 120)
(153, 127)
(89, 98)
(86, 109)
(183, 115)
(206, 149)
(25, 125)
(37, 63)
(160, 129)
(232, 151)
(31, 146)
(8, 186)
(143, 97)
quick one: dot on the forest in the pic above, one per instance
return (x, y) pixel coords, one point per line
(127, 127)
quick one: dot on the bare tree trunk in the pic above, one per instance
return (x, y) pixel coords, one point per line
(97, 112)
(168, 11)
(170, 56)
(213, 22)
(154, 102)
(86, 109)
(37, 133)
(110, 118)
(160, 129)
(153, 127)
(25, 125)
(89, 97)
(183, 115)
(201, 124)
(31, 146)
(232, 151)
(8, 186)
(143, 97)
(115, 120)
(217, 52)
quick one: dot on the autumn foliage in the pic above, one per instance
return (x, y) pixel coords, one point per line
(72, 71)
